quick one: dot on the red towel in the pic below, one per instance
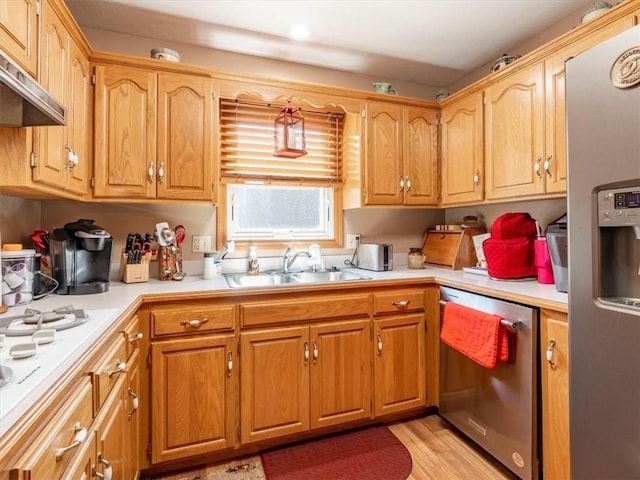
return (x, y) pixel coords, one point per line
(478, 335)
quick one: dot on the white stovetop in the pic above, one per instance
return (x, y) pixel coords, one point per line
(38, 373)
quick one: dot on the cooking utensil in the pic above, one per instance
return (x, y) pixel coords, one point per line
(160, 227)
(168, 237)
(180, 233)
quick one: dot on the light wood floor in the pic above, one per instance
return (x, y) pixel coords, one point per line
(438, 453)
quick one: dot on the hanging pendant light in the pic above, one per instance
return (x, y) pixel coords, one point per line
(289, 136)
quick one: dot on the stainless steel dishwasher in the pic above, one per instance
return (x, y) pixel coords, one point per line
(496, 408)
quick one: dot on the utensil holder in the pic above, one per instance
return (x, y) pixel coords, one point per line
(168, 258)
(135, 272)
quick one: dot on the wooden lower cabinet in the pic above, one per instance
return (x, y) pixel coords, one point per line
(300, 378)
(194, 396)
(554, 345)
(399, 363)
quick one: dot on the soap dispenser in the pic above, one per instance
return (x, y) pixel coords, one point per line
(254, 265)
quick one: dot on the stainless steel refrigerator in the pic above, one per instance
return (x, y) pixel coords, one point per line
(603, 144)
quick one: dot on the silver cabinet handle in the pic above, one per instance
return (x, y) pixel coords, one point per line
(107, 469)
(547, 165)
(536, 167)
(161, 173)
(401, 184)
(151, 171)
(193, 323)
(120, 367)
(134, 404)
(408, 183)
(229, 363)
(80, 436)
(135, 338)
(401, 303)
(306, 352)
(315, 352)
(552, 364)
(379, 344)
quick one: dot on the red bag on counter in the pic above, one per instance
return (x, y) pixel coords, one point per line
(510, 250)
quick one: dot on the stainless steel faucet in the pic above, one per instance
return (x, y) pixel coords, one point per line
(288, 259)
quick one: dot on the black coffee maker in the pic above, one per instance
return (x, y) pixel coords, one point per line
(81, 258)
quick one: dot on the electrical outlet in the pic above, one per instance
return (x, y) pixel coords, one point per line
(201, 243)
(353, 239)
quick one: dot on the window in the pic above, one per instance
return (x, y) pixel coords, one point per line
(272, 198)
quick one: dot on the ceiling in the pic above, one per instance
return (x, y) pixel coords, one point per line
(431, 42)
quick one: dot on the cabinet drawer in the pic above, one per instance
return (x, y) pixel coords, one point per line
(106, 373)
(49, 455)
(132, 335)
(398, 301)
(289, 311)
(187, 320)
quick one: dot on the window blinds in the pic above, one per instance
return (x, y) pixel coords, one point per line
(247, 144)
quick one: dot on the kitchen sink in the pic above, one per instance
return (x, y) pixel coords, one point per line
(244, 280)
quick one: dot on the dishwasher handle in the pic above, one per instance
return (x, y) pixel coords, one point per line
(512, 324)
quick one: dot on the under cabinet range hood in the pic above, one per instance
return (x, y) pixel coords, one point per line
(23, 102)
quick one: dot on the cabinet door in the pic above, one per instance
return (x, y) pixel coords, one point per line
(462, 146)
(420, 156)
(19, 32)
(79, 121)
(185, 154)
(555, 124)
(194, 396)
(514, 134)
(132, 431)
(340, 372)
(383, 154)
(399, 363)
(54, 75)
(125, 161)
(111, 426)
(275, 383)
(554, 343)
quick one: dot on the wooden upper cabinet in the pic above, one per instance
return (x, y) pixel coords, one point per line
(420, 156)
(401, 155)
(383, 130)
(153, 135)
(514, 134)
(125, 132)
(462, 150)
(185, 116)
(54, 77)
(62, 154)
(555, 161)
(19, 32)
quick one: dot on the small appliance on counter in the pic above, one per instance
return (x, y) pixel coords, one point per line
(558, 242)
(377, 257)
(81, 258)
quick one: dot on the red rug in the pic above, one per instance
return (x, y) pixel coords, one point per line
(372, 453)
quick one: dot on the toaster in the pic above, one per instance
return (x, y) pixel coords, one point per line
(375, 256)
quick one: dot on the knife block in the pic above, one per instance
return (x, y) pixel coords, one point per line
(135, 272)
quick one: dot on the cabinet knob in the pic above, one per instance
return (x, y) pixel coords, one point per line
(120, 367)
(552, 344)
(315, 352)
(229, 363)
(476, 179)
(193, 323)
(79, 437)
(407, 182)
(402, 303)
(134, 404)
(379, 344)
(401, 184)
(547, 166)
(161, 173)
(536, 167)
(107, 469)
(306, 352)
(135, 338)
(150, 172)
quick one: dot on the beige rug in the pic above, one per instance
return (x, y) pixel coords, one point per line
(249, 468)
